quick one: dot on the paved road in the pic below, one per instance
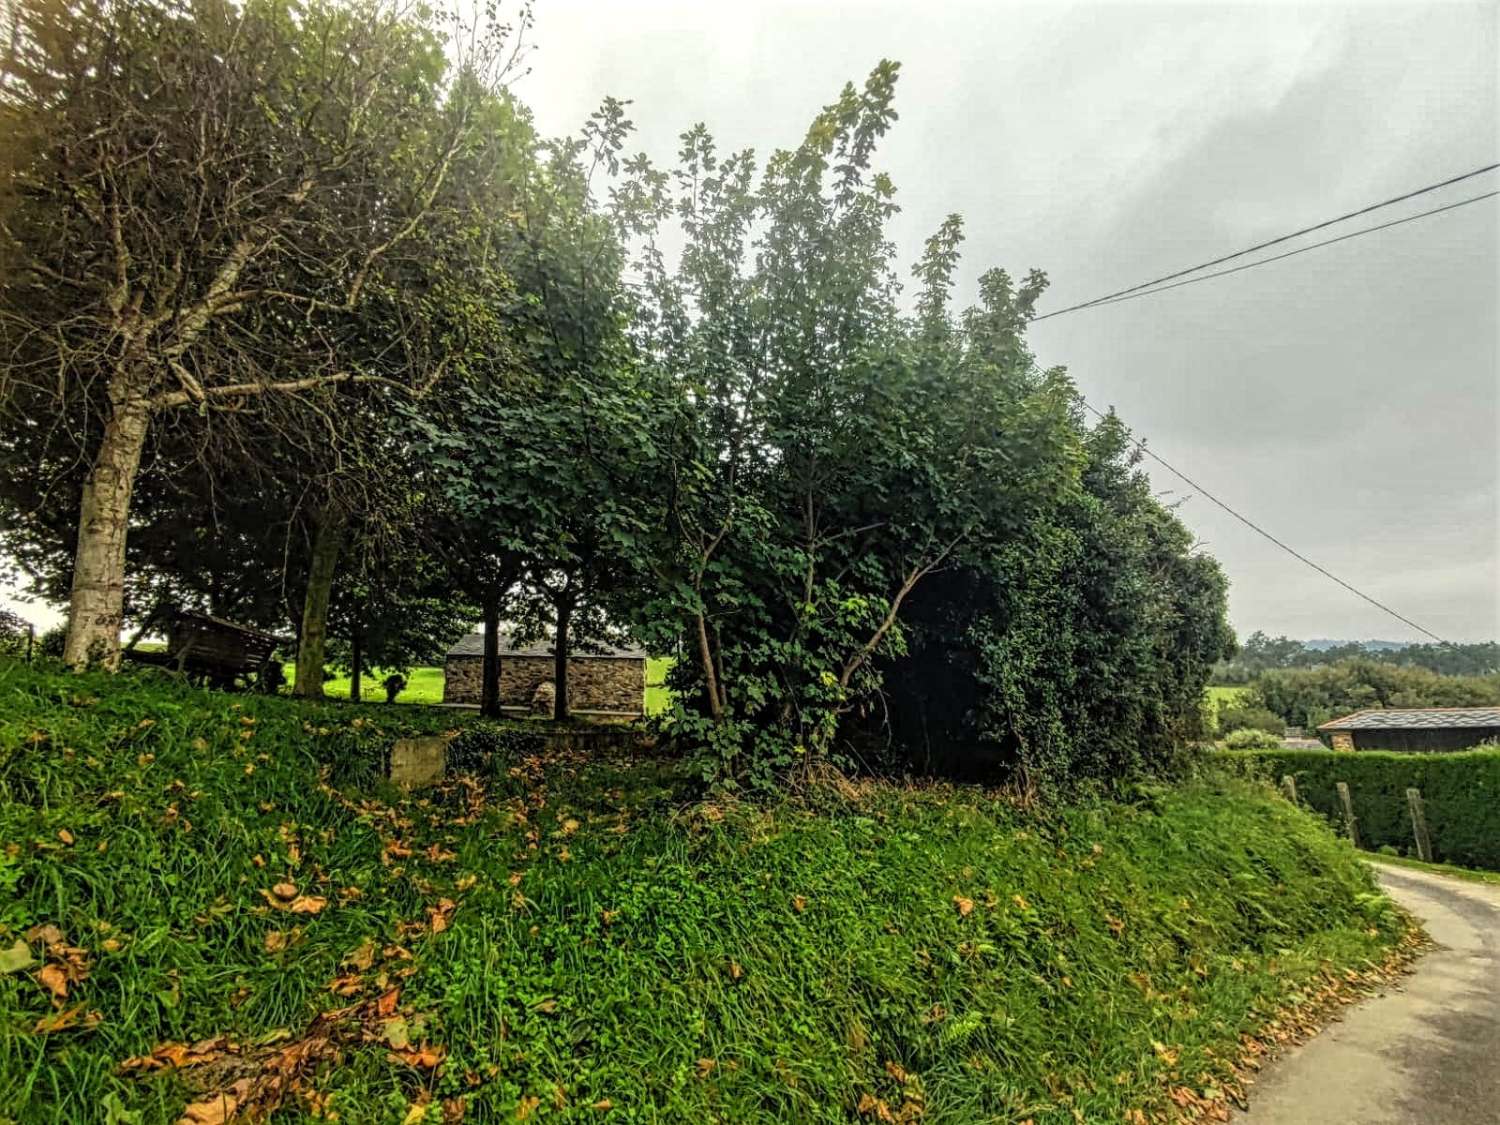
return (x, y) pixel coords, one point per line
(1427, 1051)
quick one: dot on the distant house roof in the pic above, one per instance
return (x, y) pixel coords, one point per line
(1416, 718)
(473, 645)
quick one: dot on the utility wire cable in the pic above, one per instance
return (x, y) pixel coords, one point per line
(1291, 253)
(1273, 241)
(1253, 526)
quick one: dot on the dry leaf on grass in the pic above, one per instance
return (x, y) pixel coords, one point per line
(67, 1018)
(54, 978)
(965, 906)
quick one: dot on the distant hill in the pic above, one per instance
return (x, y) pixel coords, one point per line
(1320, 644)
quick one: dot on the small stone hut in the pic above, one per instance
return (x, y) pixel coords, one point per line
(602, 680)
(1414, 728)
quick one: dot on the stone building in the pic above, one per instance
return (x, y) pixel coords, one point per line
(602, 681)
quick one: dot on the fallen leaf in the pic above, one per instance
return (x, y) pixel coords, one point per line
(65, 836)
(569, 826)
(397, 1033)
(362, 958)
(68, 1017)
(54, 978)
(706, 1067)
(308, 904)
(285, 890)
(897, 1071)
(386, 1005)
(217, 1110)
(275, 941)
(45, 934)
(426, 1057)
(965, 905)
(799, 904)
(604, 1104)
(16, 958)
(526, 1107)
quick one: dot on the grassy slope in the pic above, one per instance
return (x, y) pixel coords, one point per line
(612, 942)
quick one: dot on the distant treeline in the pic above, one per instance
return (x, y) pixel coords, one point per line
(1261, 653)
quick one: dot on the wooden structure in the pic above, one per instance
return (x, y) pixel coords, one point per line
(211, 649)
(1414, 728)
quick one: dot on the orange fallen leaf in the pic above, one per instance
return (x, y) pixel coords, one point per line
(426, 1057)
(799, 904)
(218, 1109)
(65, 836)
(603, 1104)
(965, 905)
(54, 978)
(386, 1005)
(706, 1067)
(308, 904)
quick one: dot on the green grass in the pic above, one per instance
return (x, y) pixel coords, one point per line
(423, 685)
(658, 695)
(609, 939)
(1220, 695)
(1468, 873)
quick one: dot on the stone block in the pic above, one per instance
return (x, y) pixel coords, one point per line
(416, 762)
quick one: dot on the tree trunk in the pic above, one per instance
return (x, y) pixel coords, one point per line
(97, 602)
(711, 679)
(328, 539)
(489, 690)
(560, 661)
(356, 655)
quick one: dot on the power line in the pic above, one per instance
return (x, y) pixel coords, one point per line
(1291, 253)
(1141, 445)
(1273, 241)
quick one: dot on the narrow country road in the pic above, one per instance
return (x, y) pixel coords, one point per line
(1427, 1051)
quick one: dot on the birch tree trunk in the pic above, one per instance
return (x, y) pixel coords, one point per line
(97, 602)
(313, 642)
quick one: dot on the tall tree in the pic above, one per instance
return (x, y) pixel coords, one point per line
(198, 201)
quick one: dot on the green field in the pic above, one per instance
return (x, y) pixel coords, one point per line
(582, 937)
(425, 685)
(1220, 696)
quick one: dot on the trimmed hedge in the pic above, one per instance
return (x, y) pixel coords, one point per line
(1460, 791)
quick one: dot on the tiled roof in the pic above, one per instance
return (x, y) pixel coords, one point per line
(473, 645)
(1417, 718)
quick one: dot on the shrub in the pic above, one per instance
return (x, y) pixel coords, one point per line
(1305, 697)
(1250, 738)
(1460, 794)
(1239, 716)
(483, 747)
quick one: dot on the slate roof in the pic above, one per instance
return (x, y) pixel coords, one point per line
(473, 645)
(1417, 718)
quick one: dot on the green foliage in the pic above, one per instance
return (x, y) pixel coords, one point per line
(489, 747)
(1077, 651)
(605, 937)
(1308, 697)
(15, 631)
(1261, 653)
(1460, 792)
(1251, 738)
(1241, 717)
(835, 460)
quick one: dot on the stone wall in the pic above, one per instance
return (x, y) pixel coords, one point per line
(594, 683)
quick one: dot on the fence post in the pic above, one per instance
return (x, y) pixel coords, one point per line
(1350, 824)
(1289, 788)
(1419, 824)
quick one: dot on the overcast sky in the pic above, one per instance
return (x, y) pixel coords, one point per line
(1345, 399)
